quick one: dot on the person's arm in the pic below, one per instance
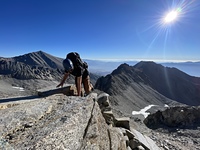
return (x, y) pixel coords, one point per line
(79, 81)
(63, 79)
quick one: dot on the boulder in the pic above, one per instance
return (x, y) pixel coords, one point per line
(103, 101)
(180, 116)
(55, 122)
(68, 90)
(122, 122)
(109, 117)
(144, 140)
(117, 140)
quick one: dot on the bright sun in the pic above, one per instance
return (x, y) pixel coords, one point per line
(171, 17)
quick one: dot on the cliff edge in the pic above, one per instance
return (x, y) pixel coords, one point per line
(68, 122)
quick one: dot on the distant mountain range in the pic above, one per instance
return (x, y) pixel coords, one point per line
(146, 83)
(191, 68)
(35, 65)
(103, 68)
(98, 67)
(134, 86)
(106, 67)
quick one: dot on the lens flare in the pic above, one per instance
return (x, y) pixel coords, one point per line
(171, 16)
(164, 26)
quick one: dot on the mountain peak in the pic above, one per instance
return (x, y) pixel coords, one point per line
(147, 65)
(170, 82)
(40, 52)
(32, 65)
(40, 58)
(122, 68)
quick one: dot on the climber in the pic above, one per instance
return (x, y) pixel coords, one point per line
(74, 65)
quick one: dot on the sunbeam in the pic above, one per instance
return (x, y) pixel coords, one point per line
(165, 24)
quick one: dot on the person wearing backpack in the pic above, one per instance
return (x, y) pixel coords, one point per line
(74, 65)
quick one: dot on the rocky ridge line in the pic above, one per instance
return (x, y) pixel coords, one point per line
(68, 122)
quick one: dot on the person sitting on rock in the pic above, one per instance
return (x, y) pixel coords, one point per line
(74, 65)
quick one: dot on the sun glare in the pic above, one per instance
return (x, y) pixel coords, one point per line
(168, 22)
(171, 17)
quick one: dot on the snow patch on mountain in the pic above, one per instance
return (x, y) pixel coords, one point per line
(143, 111)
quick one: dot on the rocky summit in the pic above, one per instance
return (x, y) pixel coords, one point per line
(67, 122)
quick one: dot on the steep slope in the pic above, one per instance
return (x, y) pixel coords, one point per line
(146, 83)
(129, 89)
(67, 122)
(36, 65)
(172, 82)
(40, 58)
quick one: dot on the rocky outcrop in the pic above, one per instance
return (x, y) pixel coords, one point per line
(68, 122)
(181, 117)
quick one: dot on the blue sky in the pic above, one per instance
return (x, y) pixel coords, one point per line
(101, 29)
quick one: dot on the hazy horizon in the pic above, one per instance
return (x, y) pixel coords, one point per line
(105, 66)
(117, 60)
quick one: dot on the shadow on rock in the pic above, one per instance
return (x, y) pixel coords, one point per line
(69, 90)
(175, 117)
(18, 99)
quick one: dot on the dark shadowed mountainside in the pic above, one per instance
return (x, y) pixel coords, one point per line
(129, 89)
(135, 87)
(172, 82)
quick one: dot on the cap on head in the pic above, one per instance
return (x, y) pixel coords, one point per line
(68, 65)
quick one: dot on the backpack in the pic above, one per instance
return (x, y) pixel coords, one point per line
(76, 60)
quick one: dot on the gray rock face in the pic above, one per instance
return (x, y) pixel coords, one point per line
(145, 140)
(56, 122)
(63, 122)
(182, 117)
